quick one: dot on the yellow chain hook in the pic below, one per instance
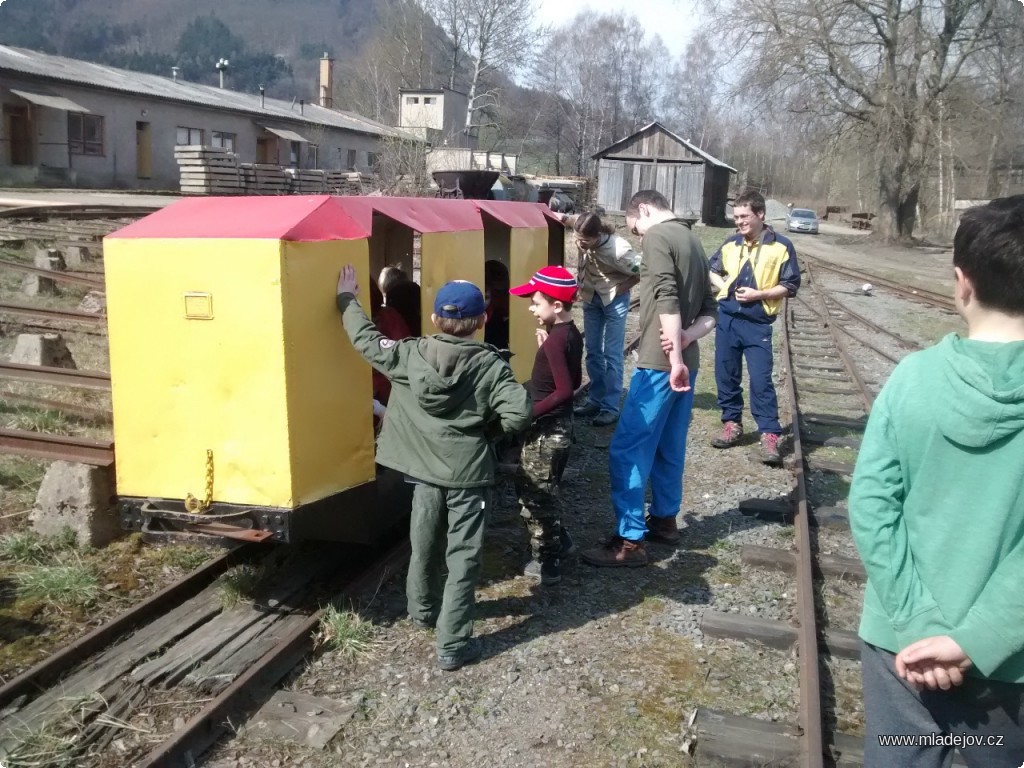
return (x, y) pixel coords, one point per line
(194, 505)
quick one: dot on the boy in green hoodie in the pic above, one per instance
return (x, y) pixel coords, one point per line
(446, 390)
(937, 512)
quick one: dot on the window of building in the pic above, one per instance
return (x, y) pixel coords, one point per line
(223, 140)
(294, 151)
(85, 134)
(191, 137)
(412, 99)
(351, 159)
(429, 99)
(313, 156)
(371, 159)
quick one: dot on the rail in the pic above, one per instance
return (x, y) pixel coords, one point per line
(55, 315)
(57, 377)
(50, 274)
(56, 447)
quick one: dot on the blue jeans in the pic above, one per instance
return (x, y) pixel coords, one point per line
(649, 444)
(604, 331)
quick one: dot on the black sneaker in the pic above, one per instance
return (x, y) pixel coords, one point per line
(467, 654)
(548, 572)
(587, 409)
(568, 546)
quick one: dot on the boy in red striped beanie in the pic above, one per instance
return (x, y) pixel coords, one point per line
(557, 373)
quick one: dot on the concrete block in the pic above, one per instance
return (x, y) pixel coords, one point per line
(37, 285)
(42, 349)
(79, 497)
(78, 255)
(50, 258)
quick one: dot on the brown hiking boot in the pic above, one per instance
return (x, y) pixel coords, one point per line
(617, 553)
(662, 530)
(770, 449)
(732, 431)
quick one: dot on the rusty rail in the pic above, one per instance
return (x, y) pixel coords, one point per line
(811, 722)
(50, 274)
(56, 315)
(56, 447)
(57, 377)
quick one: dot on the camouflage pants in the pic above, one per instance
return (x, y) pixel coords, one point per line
(545, 454)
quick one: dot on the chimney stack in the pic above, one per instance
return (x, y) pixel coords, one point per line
(327, 81)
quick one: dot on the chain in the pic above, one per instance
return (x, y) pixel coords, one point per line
(194, 505)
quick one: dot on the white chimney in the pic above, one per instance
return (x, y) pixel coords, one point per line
(326, 81)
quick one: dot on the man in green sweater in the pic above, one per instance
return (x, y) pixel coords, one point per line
(937, 511)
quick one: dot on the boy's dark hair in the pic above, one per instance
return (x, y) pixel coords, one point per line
(566, 305)
(589, 225)
(989, 248)
(391, 276)
(461, 327)
(750, 198)
(404, 298)
(647, 197)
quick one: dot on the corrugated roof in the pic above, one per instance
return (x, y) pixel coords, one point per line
(696, 150)
(90, 75)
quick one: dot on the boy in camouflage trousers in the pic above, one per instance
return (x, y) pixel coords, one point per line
(557, 373)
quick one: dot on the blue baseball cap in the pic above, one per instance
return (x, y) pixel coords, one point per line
(458, 300)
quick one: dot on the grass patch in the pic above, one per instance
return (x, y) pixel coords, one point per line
(186, 558)
(346, 632)
(30, 547)
(60, 585)
(46, 746)
(241, 584)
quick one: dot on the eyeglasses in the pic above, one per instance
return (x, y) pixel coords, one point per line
(632, 227)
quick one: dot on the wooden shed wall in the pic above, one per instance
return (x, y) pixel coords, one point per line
(683, 183)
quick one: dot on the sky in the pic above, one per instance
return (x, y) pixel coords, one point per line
(674, 20)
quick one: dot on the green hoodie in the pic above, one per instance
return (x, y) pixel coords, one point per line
(937, 504)
(445, 393)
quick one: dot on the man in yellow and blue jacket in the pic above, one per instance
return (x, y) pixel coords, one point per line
(753, 272)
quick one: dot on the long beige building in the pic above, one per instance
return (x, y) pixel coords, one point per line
(72, 123)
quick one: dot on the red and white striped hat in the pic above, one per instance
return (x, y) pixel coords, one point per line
(556, 282)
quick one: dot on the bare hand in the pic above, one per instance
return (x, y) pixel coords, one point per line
(666, 342)
(347, 281)
(747, 295)
(542, 336)
(933, 663)
(679, 378)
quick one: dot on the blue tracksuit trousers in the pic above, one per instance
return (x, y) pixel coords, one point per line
(649, 444)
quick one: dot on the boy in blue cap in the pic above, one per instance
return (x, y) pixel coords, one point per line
(557, 374)
(446, 389)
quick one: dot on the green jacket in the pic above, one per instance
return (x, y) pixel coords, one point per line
(447, 394)
(937, 504)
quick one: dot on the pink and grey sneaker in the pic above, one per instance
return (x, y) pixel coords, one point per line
(770, 449)
(732, 431)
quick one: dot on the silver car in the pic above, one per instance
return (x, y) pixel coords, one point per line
(802, 220)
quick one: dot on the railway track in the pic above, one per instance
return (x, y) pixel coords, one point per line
(913, 293)
(168, 678)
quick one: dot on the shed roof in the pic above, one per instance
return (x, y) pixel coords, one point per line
(314, 218)
(696, 150)
(58, 69)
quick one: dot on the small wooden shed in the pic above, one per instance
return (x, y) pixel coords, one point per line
(695, 183)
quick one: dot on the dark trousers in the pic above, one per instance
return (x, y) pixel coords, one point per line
(736, 339)
(447, 529)
(982, 710)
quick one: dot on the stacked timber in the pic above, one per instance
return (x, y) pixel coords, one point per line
(265, 179)
(348, 183)
(306, 181)
(208, 171)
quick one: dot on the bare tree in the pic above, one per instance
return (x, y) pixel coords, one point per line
(492, 35)
(885, 63)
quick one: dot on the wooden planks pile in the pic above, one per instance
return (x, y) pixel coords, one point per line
(348, 183)
(306, 181)
(265, 179)
(208, 171)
